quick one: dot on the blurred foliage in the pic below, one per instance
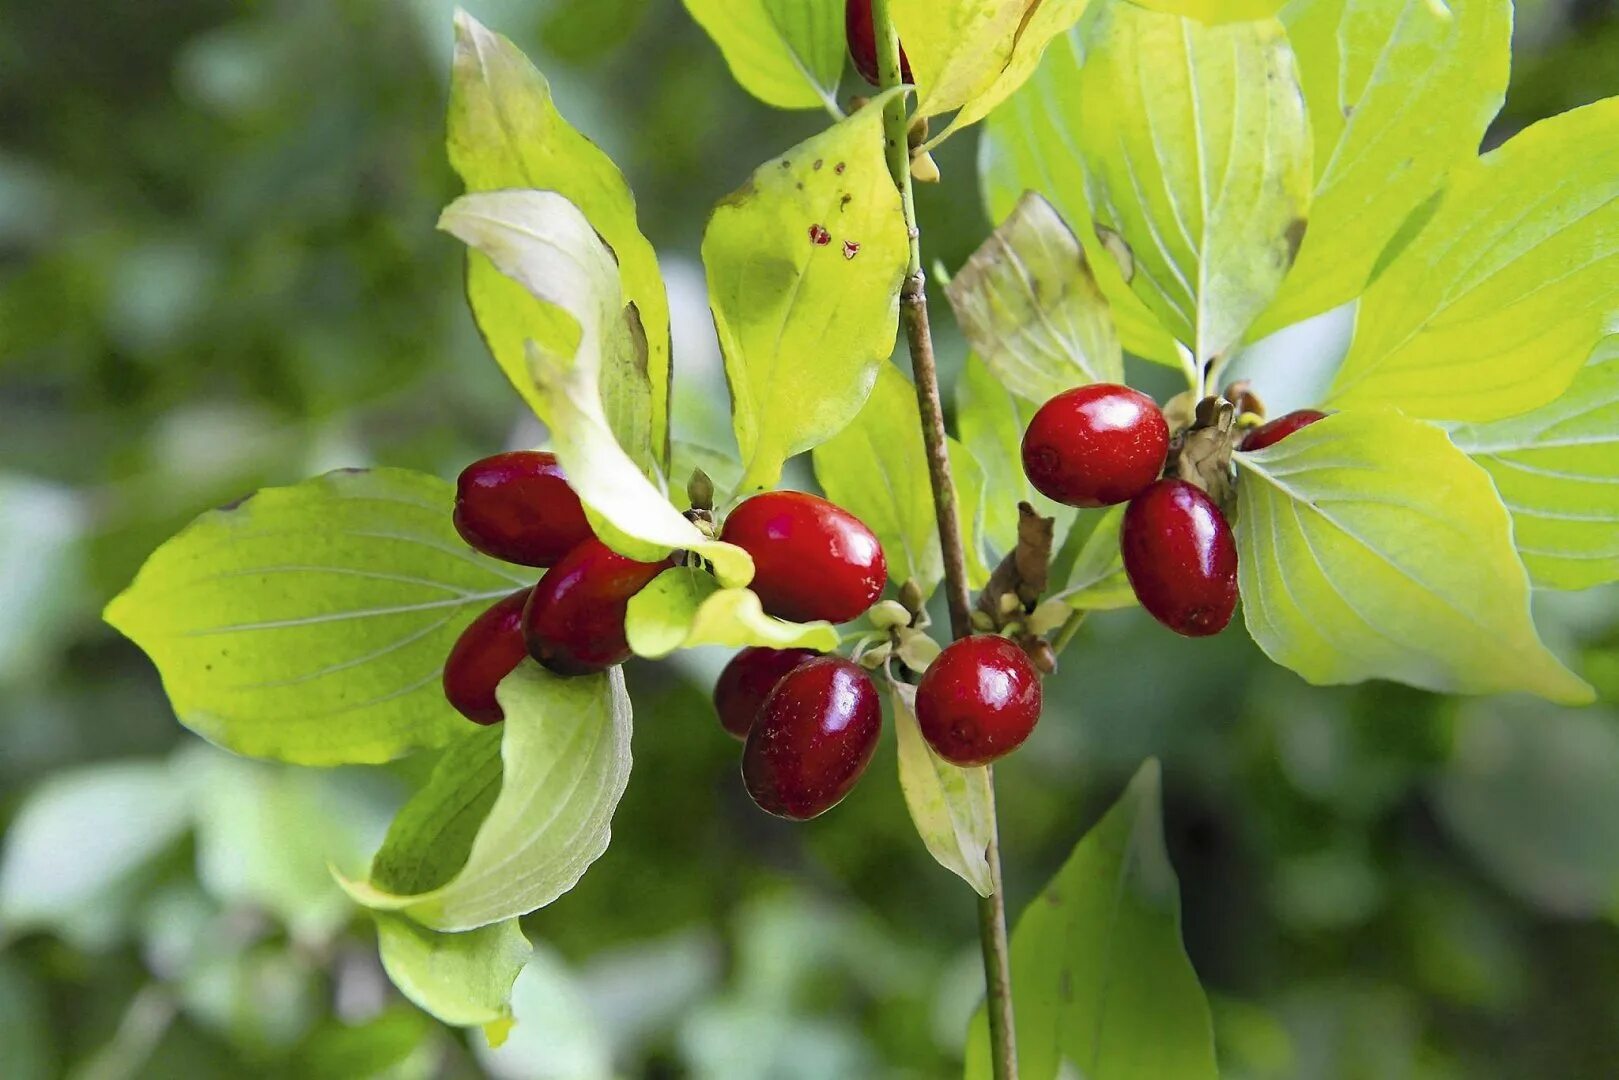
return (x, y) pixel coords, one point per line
(218, 270)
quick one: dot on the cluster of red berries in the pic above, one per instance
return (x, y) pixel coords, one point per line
(1104, 444)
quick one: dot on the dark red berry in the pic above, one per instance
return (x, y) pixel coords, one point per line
(862, 29)
(1181, 558)
(978, 701)
(1095, 445)
(574, 622)
(813, 560)
(1280, 428)
(813, 738)
(518, 507)
(485, 653)
(748, 679)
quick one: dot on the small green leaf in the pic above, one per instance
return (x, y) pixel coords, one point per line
(565, 760)
(876, 469)
(1099, 974)
(1557, 469)
(786, 53)
(1371, 548)
(544, 243)
(1197, 150)
(685, 607)
(1496, 305)
(958, 48)
(1030, 144)
(463, 979)
(1030, 306)
(505, 132)
(310, 623)
(1096, 581)
(953, 808)
(81, 835)
(804, 267)
(1399, 94)
(1042, 21)
(432, 835)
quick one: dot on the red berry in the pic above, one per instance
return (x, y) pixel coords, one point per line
(519, 507)
(1181, 558)
(813, 560)
(813, 738)
(978, 701)
(862, 29)
(1280, 428)
(1095, 445)
(485, 653)
(574, 622)
(748, 679)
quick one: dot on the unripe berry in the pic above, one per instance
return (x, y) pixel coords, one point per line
(812, 560)
(978, 701)
(1280, 428)
(518, 507)
(574, 622)
(748, 680)
(485, 653)
(862, 29)
(1181, 558)
(813, 738)
(1095, 445)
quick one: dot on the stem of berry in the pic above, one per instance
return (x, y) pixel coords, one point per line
(914, 315)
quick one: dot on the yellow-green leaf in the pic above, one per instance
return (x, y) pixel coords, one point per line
(1493, 309)
(1557, 469)
(1215, 11)
(958, 48)
(1399, 92)
(804, 266)
(1197, 150)
(310, 623)
(786, 53)
(463, 979)
(505, 132)
(564, 763)
(685, 607)
(952, 808)
(1370, 547)
(543, 242)
(1030, 144)
(1030, 306)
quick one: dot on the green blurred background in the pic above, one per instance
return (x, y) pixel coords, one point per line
(218, 271)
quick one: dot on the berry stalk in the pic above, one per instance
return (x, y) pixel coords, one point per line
(919, 338)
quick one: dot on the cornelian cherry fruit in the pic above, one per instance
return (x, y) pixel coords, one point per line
(812, 560)
(1181, 558)
(1280, 428)
(1095, 445)
(747, 681)
(863, 43)
(813, 738)
(518, 507)
(485, 653)
(574, 621)
(978, 700)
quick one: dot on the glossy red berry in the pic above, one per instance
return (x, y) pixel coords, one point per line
(485, 653)
(813, 560)
(748, 679)
(862, 29)
(574, 622)
(1095, 445)
(1181, 558)
(978, 700)
(1280, 428)
(518, 507)
(813, 738)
